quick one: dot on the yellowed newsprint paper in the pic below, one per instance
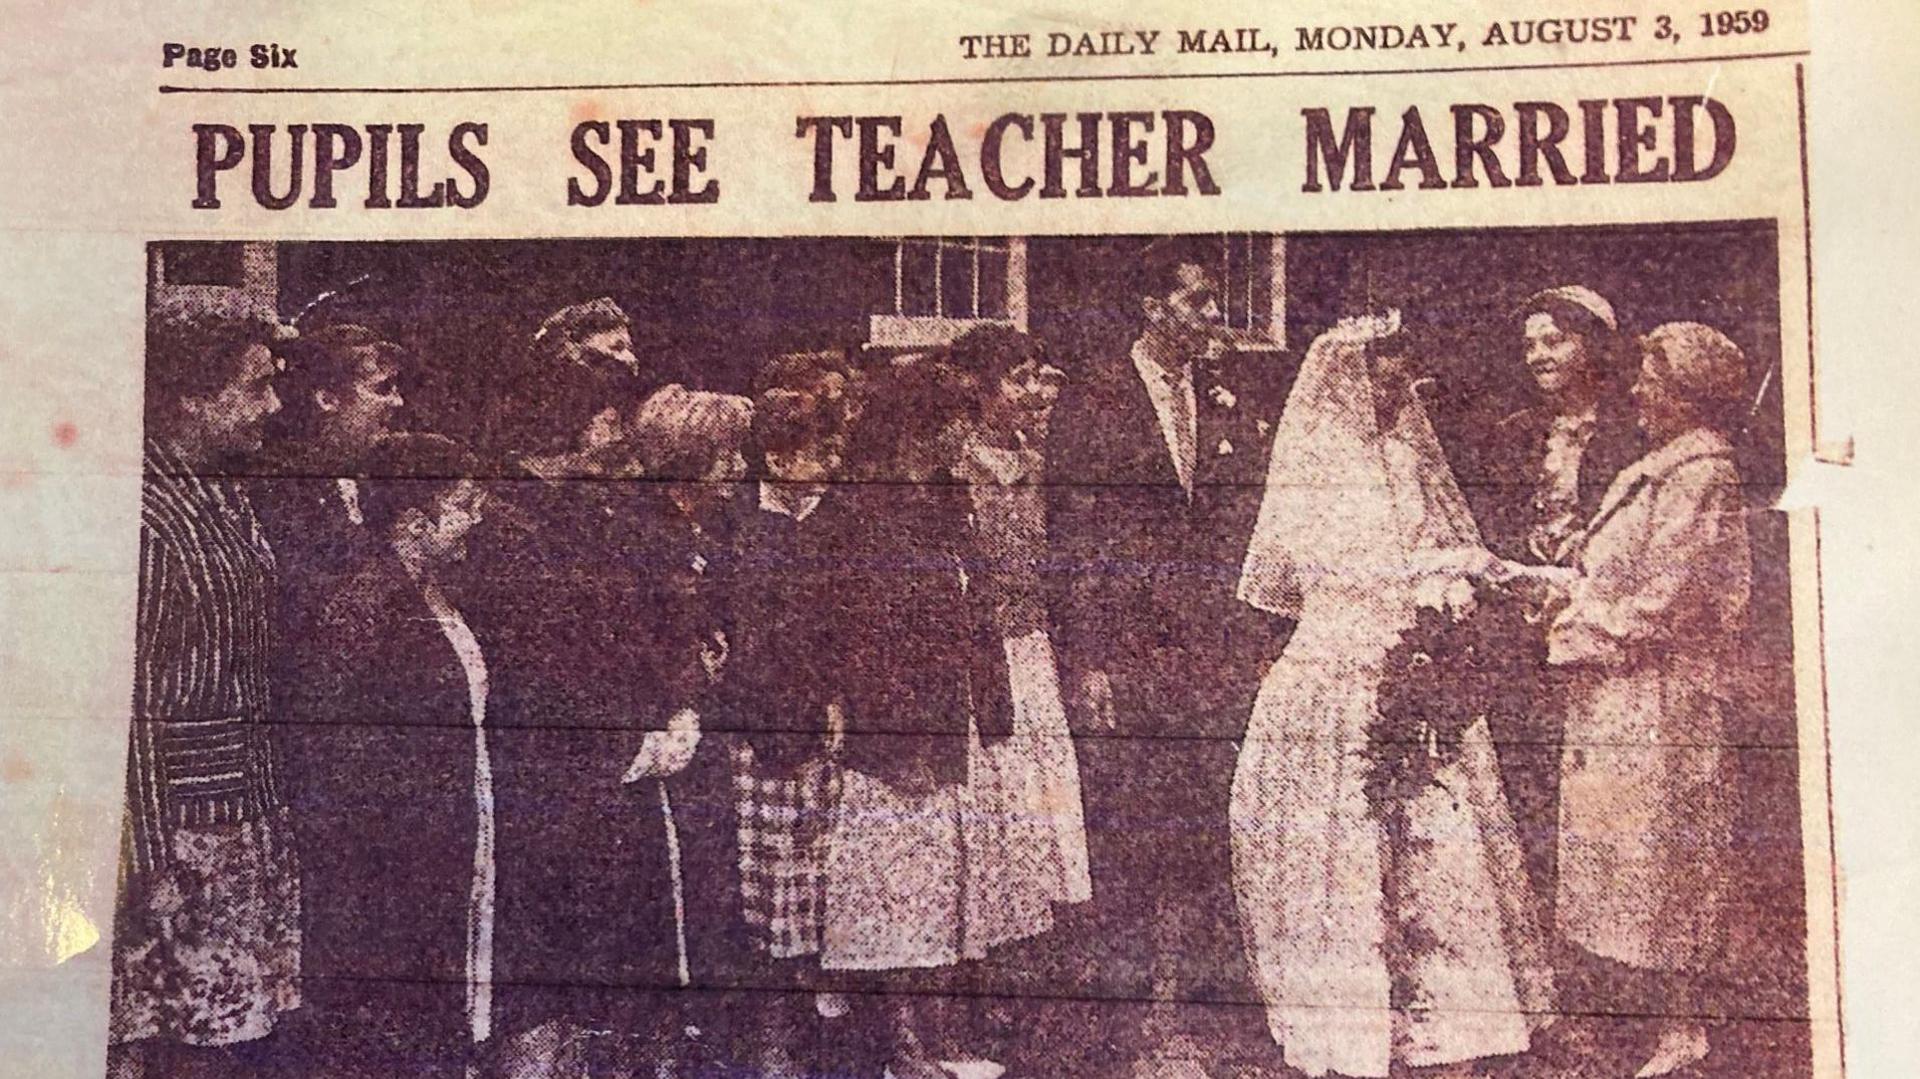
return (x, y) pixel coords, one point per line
(895, 539)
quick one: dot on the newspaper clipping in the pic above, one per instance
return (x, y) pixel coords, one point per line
(674, 542)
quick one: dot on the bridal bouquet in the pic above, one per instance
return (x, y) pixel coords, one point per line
(1451, 667)
(1430, 692)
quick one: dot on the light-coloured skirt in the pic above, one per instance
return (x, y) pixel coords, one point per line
(928, 882)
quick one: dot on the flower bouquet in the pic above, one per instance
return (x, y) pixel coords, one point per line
(1456, 664)
(1465, 656)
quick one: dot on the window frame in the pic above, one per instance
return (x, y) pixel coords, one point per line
(898, 329)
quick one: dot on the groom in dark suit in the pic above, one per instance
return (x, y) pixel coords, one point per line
(1156, 457)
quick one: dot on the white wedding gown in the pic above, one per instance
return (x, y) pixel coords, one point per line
(1348, 515)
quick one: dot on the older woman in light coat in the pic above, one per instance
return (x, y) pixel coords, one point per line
(1649, 630)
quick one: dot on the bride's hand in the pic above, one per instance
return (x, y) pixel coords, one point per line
(1543, 589)
(1472, 562)
(1448, 593)
(1550, 578)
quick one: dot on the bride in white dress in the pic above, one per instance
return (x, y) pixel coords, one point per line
(1360, 522)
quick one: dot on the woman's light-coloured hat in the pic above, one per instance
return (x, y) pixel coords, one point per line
(1701, 363)
(1578, 296)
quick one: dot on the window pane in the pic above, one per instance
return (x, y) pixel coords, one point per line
(916, 279)
(956, 280)
(1244, 266)
(201, 263)
(1261, 285)
(993, 284)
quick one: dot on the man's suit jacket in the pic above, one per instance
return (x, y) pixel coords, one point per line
(1151, 571)
(378, 730)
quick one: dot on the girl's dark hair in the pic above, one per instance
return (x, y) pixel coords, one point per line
(784, 424)
(909, 404)
(410, 471)
(800, 400)
(801, 370)
(990, 353)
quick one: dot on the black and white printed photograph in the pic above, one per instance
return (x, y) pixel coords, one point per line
(1127, 657)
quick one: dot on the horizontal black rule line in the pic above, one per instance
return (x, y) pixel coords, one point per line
(961, 80)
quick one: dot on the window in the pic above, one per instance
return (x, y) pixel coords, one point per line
(943, 286)
(213, 273)
(202, 263)
(1252, 270)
